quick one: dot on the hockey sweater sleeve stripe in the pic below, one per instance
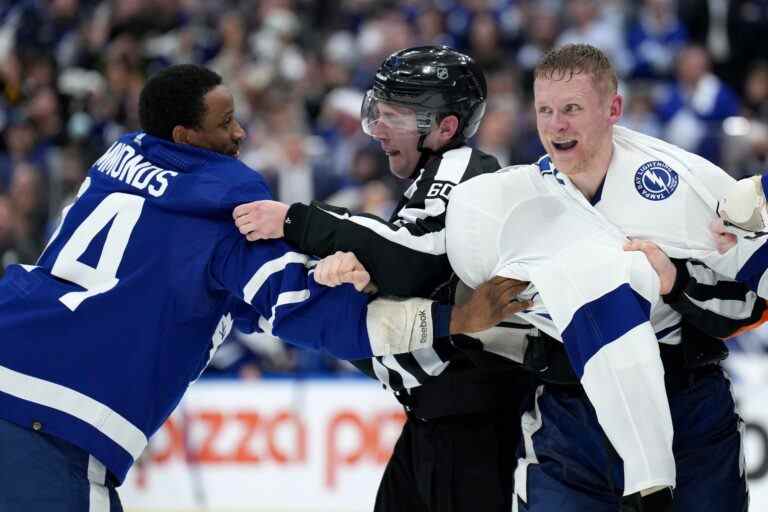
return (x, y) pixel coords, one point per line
(270, 268)
(613, 349)
(291, 305)
(287, 301)
(753, 271)
(598, 323)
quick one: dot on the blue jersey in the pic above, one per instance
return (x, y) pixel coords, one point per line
(140, 283)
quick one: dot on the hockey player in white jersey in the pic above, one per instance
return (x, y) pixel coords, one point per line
(561, 224)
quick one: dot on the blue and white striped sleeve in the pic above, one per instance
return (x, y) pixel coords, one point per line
(599, 298)
(752, 260)
(287, 302)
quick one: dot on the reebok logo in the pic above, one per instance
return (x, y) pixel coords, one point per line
(423, 327)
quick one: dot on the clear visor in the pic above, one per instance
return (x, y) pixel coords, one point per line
(377, 115)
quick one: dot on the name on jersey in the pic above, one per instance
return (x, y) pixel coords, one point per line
(123, 163)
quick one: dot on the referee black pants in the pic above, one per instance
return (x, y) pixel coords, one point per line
(462, 463)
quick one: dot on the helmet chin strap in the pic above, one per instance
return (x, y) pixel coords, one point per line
(427, 153)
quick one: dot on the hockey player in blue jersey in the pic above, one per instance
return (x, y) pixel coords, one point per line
(140, 283)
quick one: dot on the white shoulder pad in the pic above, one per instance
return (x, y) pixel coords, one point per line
(476, 212)
(744, 205)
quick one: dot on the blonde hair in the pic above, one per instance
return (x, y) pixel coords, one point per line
(574, 59)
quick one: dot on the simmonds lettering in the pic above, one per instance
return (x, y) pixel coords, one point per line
(123, 163)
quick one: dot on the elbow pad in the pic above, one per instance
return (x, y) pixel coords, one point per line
(744, 205)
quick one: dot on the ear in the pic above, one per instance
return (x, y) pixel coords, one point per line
(448, 128)
(181, 135)
(616, 109)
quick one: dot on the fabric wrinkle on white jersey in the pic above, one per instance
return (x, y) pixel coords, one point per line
(574, 258)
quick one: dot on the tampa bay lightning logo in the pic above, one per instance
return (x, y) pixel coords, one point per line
(656, 181)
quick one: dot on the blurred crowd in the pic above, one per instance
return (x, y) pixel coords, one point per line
(694, 72)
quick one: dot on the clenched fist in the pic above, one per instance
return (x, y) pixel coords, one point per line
(343, 267)
(260, 220)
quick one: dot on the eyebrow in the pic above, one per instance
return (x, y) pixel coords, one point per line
(567, 101)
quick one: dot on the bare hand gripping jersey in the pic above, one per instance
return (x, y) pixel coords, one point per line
(140, 284)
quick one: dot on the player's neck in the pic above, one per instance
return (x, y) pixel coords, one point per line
(592, 174)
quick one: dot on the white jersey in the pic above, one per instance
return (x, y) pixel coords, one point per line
(588, 292)
(533, 224)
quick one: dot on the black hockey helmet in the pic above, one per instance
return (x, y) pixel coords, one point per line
(433, 81)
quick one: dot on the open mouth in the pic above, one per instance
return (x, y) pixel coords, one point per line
(564, 146)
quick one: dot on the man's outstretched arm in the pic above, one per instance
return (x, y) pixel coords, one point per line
(406, 255)
(290, 304)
